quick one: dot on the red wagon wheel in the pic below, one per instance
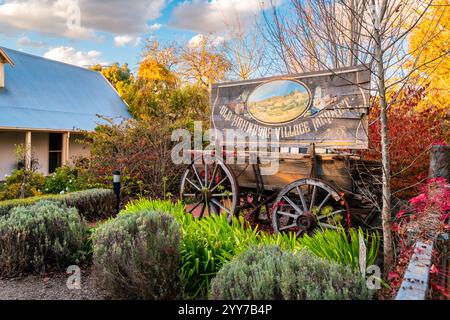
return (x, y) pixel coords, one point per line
(209, 187)
(309, 204)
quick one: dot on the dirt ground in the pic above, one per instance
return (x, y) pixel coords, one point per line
(49, 287)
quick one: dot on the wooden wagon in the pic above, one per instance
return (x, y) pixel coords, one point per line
(317, 121)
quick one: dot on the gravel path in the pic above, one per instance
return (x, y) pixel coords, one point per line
(50, 287)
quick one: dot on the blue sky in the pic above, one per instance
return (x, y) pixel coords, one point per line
(275, 89)
(85, 32)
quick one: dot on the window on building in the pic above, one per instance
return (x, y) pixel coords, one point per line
(55, 151)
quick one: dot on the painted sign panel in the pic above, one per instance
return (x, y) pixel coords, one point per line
(328, 108)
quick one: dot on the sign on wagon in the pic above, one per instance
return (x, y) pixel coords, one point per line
(328, 108)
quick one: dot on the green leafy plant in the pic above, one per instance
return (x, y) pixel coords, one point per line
(342, 246)
(63, 180)
(137, 256)
(93, 205)
(40, 237)
(270, 273)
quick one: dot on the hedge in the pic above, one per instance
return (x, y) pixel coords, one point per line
(93, 204)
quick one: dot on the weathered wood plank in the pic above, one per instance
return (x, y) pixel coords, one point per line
(332, 171)
(416, 278)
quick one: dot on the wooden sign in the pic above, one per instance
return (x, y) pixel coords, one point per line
(328, 108)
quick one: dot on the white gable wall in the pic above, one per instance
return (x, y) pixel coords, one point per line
(2, 75)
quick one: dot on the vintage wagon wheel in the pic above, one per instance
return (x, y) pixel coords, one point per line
(209, 187)
(309, 204)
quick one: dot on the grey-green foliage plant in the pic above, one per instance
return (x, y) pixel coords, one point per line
(270, 273)
(137, 256)
(40, 237)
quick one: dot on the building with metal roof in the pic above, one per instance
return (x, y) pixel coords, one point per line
(45, 105)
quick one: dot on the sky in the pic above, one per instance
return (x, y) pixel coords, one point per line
(87, 32)
(275, 89)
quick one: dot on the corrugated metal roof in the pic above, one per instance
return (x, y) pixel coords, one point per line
(46, 94)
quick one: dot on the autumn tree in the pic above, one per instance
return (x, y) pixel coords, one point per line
(165, 54)
(203, 62)
(118, 75)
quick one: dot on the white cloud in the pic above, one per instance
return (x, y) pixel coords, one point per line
(56, 17)
(196, 40)
(214, 16)
(122, 41)
(155, 26)
(27, 42)
(72, 56)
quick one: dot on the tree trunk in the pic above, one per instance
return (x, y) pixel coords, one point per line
(388, 248)
(440, 162)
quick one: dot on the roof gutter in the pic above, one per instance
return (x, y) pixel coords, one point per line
(43, 130)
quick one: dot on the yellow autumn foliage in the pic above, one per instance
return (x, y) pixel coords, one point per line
(152, 71)
(430, 51)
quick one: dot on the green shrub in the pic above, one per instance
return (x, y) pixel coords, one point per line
(43, 236)
(63, 180)
(269, 273)
(342, 247)
(207, 244)
(136, 256)
(22, 183)
(93, 205)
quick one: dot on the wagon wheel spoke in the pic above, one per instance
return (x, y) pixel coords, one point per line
(218, 204)
(195, 207)
(302, 198)
(208, 208)
(202, 213)
(193, 184)
(206, 175)
(189, 195)
(213, 176)
(218, 195)
(329, 226)
(330, 214)
(288, 227)
(313, 198)
(323, 202)
(219, 184)
(300, 232)
(296, 208)
(198, 177)
(213, 208)
(295, 216)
